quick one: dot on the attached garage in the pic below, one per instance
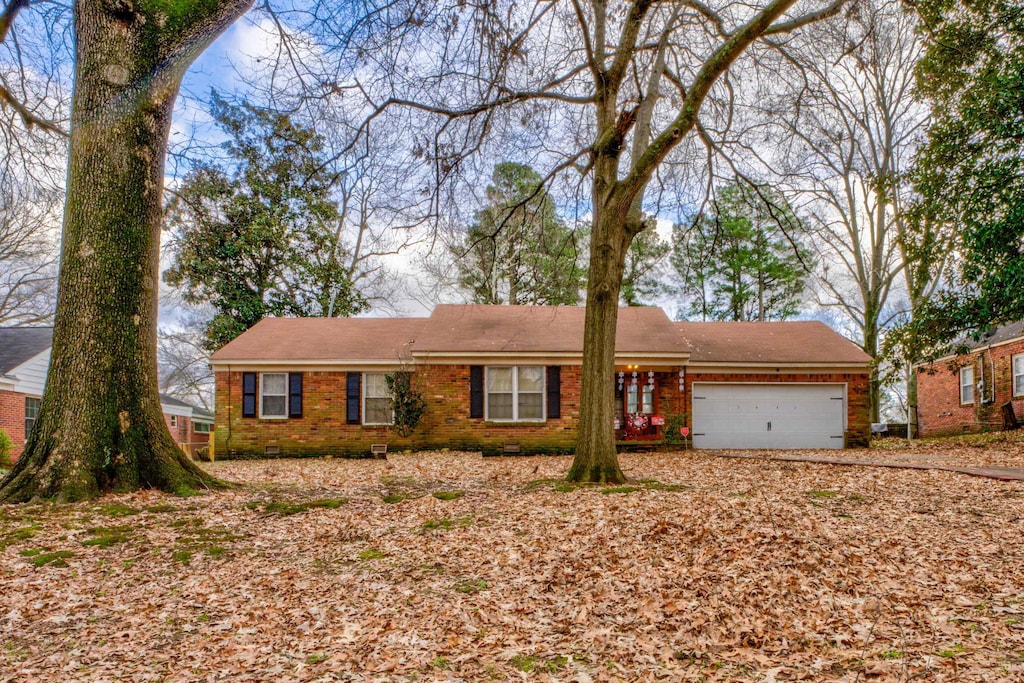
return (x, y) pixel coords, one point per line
(773, 415)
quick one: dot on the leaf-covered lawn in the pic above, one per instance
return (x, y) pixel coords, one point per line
(446, 566)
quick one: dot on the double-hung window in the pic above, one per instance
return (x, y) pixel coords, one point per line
(201, 427)
(967, 384)
(515, 394)
(1018, 375)
(377, 408)
(31, 413)
(274, 394)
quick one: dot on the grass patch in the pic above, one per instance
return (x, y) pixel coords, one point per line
(528, 664)
(118, 510)
(55, 559)
(821, 495)
(892, 653)
(619, 489)
(104, 537)
(284, 508)
(371, 554)
(469, 586)
(951, 651)
(22, 534)
(161, 508)
(446, 524)
(195, 538)
(316, 658)
(395, 498)
(440, 662)
(447, 495)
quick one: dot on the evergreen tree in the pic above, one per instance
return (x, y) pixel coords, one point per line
(518, 250)
(254, 236)
(745, 261)
(641, 281)
(970, 174)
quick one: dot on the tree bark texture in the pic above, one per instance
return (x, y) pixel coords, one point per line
(100, 427)
(596, 458)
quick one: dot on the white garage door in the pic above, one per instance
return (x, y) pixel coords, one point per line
(768, 415)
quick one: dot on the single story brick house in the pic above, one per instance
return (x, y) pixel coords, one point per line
(24, 361)
(965, 393)
(507, 379)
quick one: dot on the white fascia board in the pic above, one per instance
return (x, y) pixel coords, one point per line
(541, 358)
(183, 411)
(306, 365)
(706, 366)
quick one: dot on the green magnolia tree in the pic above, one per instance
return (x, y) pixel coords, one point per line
(256, 237)
(518, 250)
(970, 173)
(748, 260)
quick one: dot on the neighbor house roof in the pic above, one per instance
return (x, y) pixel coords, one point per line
(997, 335)
(19, 344)
(454, 329)
(323, 339)
(782, 343)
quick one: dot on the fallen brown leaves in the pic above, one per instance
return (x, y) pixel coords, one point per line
(703, 569)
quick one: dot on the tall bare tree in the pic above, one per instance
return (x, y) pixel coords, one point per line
(853, 124)
(28, 252)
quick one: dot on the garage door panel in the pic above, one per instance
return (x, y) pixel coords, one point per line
(768, 415)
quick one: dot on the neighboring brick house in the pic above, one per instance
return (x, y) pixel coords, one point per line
(24, 361)
(965, 393)
(507, 379)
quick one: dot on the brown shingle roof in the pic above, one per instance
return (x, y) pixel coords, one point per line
(775, 342)
(317, 339)
(553, 329)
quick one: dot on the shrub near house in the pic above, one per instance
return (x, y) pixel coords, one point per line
(507, 379)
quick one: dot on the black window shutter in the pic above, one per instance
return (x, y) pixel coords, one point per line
(294, 394)
(554, 391)
(476, 391)
(352, 398)
(248, 394)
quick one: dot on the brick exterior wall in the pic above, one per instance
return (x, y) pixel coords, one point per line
(939, 411)
(183, 431)
(12, 420)
(323, 428)
(858, 413)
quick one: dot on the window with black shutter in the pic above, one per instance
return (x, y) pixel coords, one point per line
(352, 398)
(248, 394)
(554, 392)
(476, 391)
(294, 394)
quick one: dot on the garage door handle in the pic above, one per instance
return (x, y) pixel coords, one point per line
(769, 426)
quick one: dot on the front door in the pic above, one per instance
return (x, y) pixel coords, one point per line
(635, 404)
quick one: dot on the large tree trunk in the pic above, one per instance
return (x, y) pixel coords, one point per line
(100, 427)
(596, 458)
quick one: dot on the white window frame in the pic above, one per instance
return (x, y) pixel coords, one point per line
(969, 384)
(174, 420)
(1014, 374)
(366, 396)
(38, 405)
(263, 415)
(515, 394)
(208, 428)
